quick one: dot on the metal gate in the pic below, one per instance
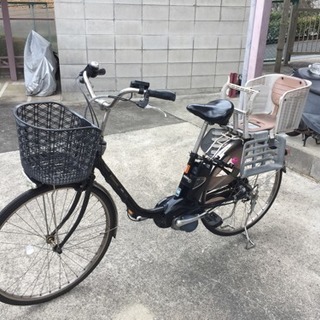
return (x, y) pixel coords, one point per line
(303, 34)
(307, 35)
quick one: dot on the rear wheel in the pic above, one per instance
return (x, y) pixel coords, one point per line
(32, 271)
(242, 212)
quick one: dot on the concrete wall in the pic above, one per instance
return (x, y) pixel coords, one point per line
(185, 45)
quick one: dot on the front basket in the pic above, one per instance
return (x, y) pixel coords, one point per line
(57, 146)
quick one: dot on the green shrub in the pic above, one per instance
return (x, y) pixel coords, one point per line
(307, 25)
(274, 27)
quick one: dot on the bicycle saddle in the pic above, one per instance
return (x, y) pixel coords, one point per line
(215, 112)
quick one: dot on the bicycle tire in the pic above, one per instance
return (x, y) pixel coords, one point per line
(31, 271)
(236, 215)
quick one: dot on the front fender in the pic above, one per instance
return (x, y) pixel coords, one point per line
(113, 212)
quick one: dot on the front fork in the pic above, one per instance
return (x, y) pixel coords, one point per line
(57, 244)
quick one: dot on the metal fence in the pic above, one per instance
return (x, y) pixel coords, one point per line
(307, 35)
(303, 35)
(24, 17)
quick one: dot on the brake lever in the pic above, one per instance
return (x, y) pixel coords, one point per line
(148, 106)
(144, 104)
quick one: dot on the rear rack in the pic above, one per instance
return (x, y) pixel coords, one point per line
(260, 153)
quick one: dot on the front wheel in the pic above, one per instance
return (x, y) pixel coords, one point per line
(32, 271)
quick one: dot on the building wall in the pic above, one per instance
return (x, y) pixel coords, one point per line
(185, 45)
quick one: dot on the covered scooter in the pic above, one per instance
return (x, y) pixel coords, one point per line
(310, 122)
(40, 66)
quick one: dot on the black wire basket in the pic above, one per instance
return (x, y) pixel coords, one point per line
(57, 146)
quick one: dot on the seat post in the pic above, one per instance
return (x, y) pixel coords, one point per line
(200, 137)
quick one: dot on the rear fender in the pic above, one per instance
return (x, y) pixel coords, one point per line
(231, 153)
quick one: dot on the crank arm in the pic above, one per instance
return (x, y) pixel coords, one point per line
(178, 223)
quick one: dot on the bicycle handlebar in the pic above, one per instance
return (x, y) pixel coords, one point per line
(92, 70)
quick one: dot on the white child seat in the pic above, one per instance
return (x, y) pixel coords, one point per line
(272, 102)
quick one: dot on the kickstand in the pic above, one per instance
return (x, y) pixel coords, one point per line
(250, 244)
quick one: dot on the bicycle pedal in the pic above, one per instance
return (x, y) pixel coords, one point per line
(213, 220)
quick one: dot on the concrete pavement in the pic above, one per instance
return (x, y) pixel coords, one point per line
(151, 273)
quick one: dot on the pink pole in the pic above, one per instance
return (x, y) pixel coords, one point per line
(259, 38)
(9, 41)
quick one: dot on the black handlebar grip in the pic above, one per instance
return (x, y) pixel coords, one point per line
(101, 72)
(93, 70)
(164, 95)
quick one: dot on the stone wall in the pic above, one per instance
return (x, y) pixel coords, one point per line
(185, 45)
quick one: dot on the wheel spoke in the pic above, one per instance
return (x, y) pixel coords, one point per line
(244, 212)
(31, 271)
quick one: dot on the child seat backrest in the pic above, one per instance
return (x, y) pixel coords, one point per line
(273, 102)
(282, 85)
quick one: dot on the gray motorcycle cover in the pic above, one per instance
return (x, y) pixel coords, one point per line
(40, 66)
